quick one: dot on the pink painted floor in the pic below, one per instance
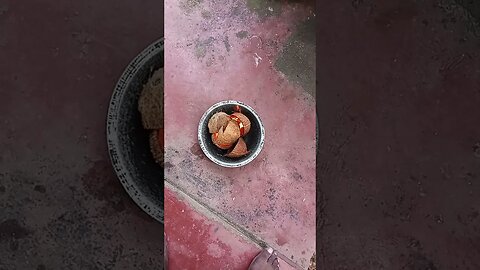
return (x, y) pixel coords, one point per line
(195, 241)
(221, 52)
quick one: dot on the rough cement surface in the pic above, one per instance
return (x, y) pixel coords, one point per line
(399, 184)
(273, 197)
(61, 206)
(297, 58)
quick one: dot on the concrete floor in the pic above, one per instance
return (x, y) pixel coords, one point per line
(399, 158)
(61, 206)
(263, 54)
(398, 87)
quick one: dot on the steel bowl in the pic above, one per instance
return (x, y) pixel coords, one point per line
(254, 139)
(128, 142)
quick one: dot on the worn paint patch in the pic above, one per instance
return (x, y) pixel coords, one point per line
(265, 8)
(201, 47)
(297, 57)
(227, 43)
(241, 34)
(188, 6)
(206, 14)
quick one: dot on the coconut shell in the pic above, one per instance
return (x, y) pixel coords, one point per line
(230, 134)
(225, 138)
(239, 150)
(219, 143)
(218, 121)
(246, 122)
(150, 102)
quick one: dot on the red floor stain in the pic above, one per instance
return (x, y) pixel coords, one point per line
(195, 242)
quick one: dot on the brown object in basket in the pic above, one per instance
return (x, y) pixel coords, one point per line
(150, 103)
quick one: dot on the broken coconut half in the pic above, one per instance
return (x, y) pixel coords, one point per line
(242, 121)
(228, 130)
(227, 136)
(218, 121)
(239, 150)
